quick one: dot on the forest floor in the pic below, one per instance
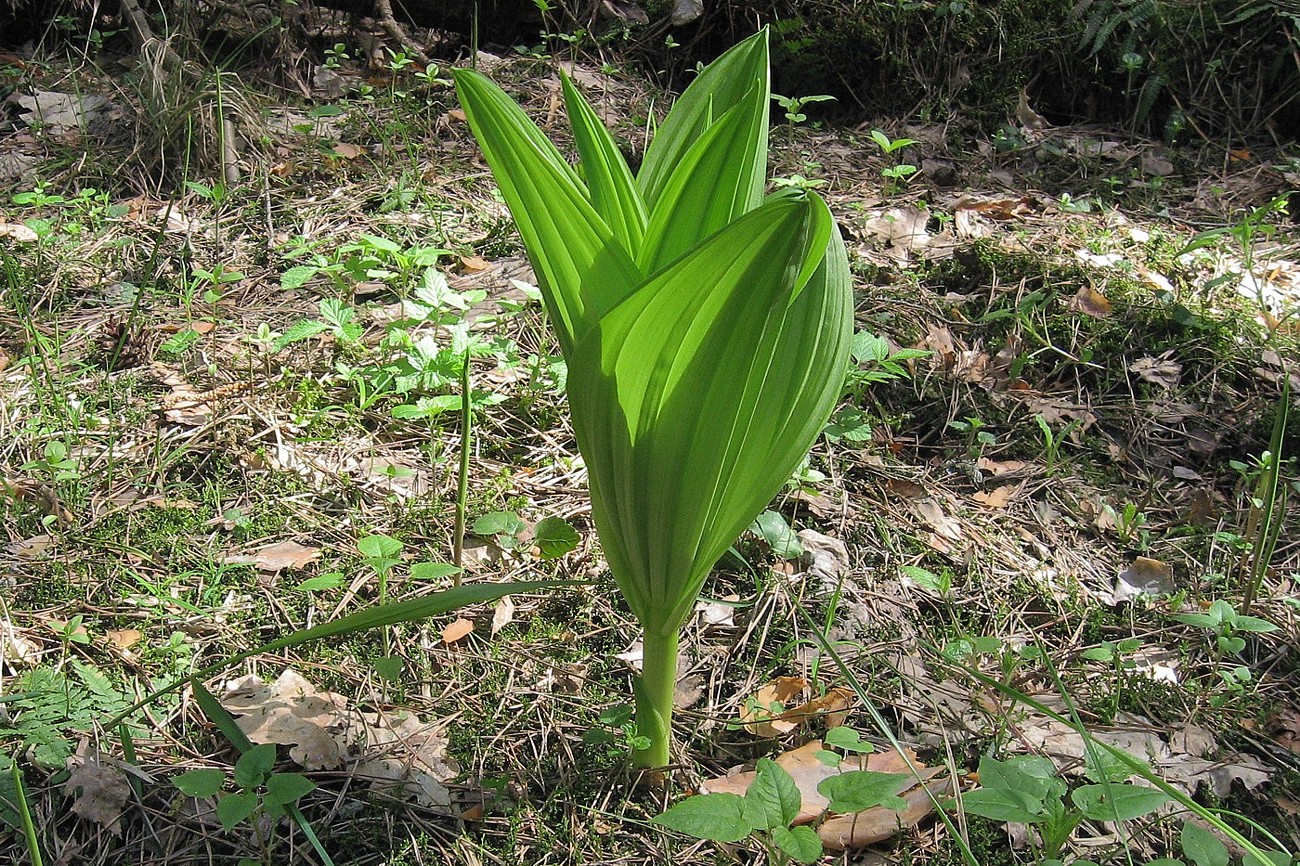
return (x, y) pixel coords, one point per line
(1038, 520)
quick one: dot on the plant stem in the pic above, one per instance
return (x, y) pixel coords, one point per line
(462, 474)
(654, 698)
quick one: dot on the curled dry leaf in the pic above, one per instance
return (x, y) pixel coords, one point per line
(457, 629)
(503, 614)
(998, 497)
(277, 557)
(762, 713)
(859, 828)
(100, 790)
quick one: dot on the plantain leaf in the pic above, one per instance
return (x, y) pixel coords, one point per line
(722, 84)
(701, 392)
(613, 190)
(580, 266)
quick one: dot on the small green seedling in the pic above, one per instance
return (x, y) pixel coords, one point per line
(1026, 790)
(793, 105)
(772, 803)
(616, 730)
(261, 790)
(897, 174)
(1222, 619)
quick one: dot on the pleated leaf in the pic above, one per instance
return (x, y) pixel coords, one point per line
(609, 180)
(695, 398)
(722, 84)
(711, 184)
(580, 265)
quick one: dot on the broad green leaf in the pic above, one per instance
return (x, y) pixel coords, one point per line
(1003, 804)
(554, 536)
(848, 739)
(1030, 775)
(285, 788)
(499, 523)
(233, 808)
(709, 186)
(857, 790)
(701, 393)
(253, 765)
(200, 783)
(719, 817)
(722, 84)
(772, 527)
(432, 570)
(1117, 802)
(609, 181)
(1202, 847)
(388, 667)
(772, 799)
(580, 266)
(799, 843)
(379, 547)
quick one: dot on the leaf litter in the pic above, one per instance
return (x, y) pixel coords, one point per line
(395, 751)
(918, 785)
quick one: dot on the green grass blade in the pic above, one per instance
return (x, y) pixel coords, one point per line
(711, 184)
(581, 267)
(703, 391)
(609, 181)
(25, 815)
(722, 84)
(410, 610)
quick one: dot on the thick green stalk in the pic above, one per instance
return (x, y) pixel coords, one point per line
(655, 692)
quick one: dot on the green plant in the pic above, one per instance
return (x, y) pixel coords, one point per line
(615, 729)
(897, 173)
(793, 105)
(1227, 624)
(705, 329)
(1026, 789)
(977, 438)
(1267, 510)
(261, 791)
(1052, 440)
(772, 803)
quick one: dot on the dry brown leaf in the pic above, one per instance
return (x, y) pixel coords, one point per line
(101, 791)
(457, 630)
(124, 639)
(291, 712)
(1000, 467)
(277, 557)
(502, 615)
(1091, 302)
(933, 515)
(833, 706)
(759, 714)
(823, 557)
(347, 151)
(18, 232)
(1162, 371)
(474, 264)
(996, 498)
(1144, 576)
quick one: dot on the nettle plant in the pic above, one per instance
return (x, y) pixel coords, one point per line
(706, 329)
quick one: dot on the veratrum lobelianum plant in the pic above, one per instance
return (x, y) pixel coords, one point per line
(706, 329)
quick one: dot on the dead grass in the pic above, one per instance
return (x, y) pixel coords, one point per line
(181, 460)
